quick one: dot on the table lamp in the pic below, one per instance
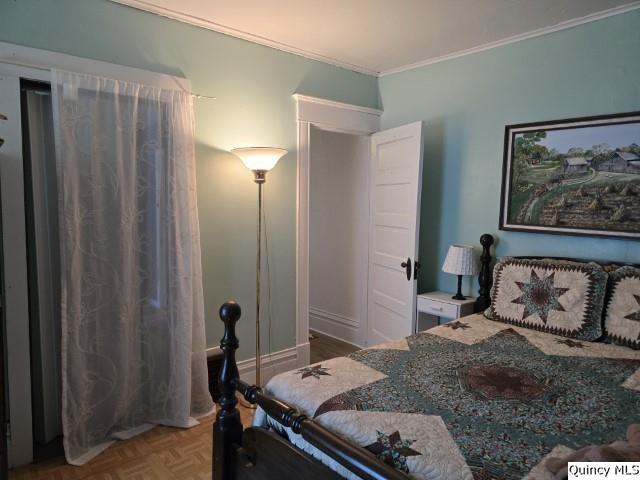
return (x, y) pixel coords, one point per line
(460, 261)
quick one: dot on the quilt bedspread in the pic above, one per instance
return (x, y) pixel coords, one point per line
(471, 399)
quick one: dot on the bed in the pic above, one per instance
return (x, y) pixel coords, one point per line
(476, 398)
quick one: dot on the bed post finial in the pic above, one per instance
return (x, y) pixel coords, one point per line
(485, 277)
(227, 431)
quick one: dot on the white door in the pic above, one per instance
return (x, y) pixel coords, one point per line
(396, 180)
(15, 301)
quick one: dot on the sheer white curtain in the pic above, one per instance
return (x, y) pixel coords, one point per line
(133, 341)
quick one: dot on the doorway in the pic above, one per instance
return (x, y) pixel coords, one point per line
(43, 267)
(338, 235)
(332, 253)
(25, 76)
(30, 268)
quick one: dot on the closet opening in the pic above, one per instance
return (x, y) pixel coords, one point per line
(43, 267)
(338, 242)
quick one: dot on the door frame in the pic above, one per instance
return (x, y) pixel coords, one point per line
(334, 117)
(36, 64)
(16, 345)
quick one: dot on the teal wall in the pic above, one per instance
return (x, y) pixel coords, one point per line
(466, 102)
(253, 85)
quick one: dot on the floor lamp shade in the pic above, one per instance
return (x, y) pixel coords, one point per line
(259, 158)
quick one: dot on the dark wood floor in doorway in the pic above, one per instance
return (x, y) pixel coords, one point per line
(324, 347)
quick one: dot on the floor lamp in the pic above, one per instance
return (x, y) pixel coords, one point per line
(259, 160)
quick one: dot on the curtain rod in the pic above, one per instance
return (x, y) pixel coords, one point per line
(196, 96)
(202, 97)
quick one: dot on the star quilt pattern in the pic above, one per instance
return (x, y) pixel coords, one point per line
(622, 320)
(473, 399)
(560, 297)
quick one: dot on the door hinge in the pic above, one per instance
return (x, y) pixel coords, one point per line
(2, 117)
(7, 430)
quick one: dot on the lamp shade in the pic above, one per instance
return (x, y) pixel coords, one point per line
(259, 158)
(460, 261)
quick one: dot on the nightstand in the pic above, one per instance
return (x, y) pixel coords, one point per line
(440, 307)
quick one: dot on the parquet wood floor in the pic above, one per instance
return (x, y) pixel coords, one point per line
(162, 453)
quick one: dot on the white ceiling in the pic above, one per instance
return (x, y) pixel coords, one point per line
(383, 36)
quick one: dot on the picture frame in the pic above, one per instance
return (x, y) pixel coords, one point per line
(577, 176)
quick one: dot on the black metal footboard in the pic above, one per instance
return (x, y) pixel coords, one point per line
(255, 453)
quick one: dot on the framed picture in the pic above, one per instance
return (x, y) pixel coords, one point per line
(579, 176)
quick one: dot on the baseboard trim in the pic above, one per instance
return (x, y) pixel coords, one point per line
(334, 325)
(336, 318)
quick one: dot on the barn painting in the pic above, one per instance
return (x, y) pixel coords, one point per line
(577, 176)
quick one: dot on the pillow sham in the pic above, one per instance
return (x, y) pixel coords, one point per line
(554, 296)
(622, 316)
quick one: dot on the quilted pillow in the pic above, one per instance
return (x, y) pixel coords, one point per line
(554, 296)
(622, 318)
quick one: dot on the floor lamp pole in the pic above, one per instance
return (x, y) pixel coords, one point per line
(259, 160)
(258, 262)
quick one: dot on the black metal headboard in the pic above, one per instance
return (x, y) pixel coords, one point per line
(485, 277)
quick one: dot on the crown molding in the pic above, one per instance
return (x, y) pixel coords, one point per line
(208, 24)
(234, 32)
(517, 38)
